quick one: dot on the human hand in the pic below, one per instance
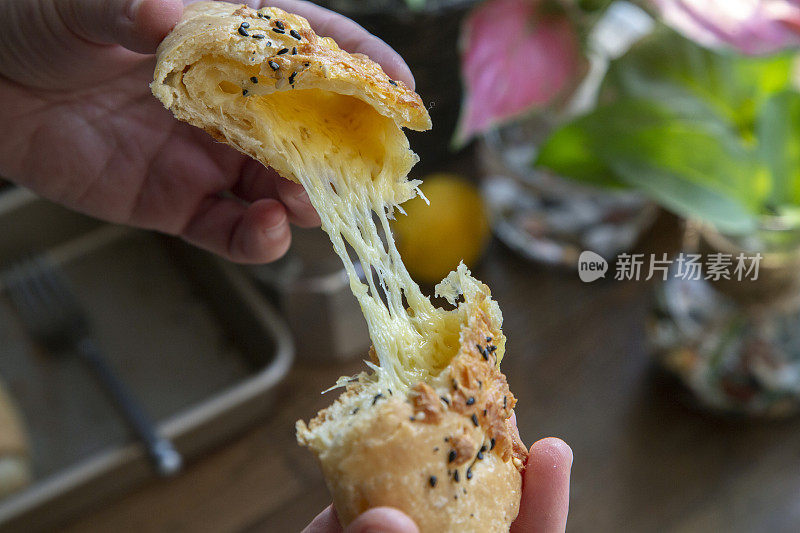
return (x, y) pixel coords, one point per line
(84, 130)
(543, 509)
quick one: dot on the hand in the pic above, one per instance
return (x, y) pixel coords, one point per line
(82, 128)
(543, 509)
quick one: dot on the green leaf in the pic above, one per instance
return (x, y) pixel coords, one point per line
(678, 73)
(778, 133)
(570, 151)
(693, 165)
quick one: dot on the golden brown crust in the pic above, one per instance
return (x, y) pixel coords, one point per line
(214, 30)
(419, 451)
(387, 459)
(427, 405)
(481, 391)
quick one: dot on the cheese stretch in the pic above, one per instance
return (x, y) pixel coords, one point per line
(354, 163)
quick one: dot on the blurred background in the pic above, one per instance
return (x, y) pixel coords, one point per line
(148, 386)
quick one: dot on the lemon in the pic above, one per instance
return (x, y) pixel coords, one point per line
(432, 239)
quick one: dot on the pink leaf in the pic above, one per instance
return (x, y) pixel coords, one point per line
(749, 26)
(516, 57)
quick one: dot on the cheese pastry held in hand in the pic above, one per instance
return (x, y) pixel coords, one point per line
(427, 429)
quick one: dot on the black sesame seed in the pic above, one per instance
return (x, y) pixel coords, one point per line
(294, 50)
(452, 456)
(484, 412)
(261, 36)
(254, 79)
(482, 351)
(393, 82)
(269, 43)
(306, 64)
(377, 396)
(455, 496)
(456, 477)
(273, 65)
(244, 92)
(432, 481)
(245, 24)
(291, 80)
(447, 439)
(505, 402)
(435, 449)
(412, 418)
(390, 392)
(243, 32)
(354, 411)
(470, 400)
(474, 418)
(455, 385)
(279, 24)
(488, 339)
(276, 30)
(282, 51)
(491, 444)
(472, 515)
(469, 473)
(480, 384)
(296, 35)
(445, 400)
(480, 455)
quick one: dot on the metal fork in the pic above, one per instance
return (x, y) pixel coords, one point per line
(54, 318)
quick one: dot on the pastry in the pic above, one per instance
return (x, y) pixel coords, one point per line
(427, 429)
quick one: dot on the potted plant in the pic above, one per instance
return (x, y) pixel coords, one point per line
(533, 67)
(703, 117)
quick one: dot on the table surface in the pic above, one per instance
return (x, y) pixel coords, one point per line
(578, 362)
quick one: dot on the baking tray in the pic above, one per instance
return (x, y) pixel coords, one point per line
(189, 333)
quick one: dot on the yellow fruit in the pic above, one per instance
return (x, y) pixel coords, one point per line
(432, 239)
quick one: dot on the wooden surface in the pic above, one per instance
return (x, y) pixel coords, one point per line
(578, 363)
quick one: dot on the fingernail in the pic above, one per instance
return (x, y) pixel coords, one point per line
(133, 9)
(303, 197)
(274, 217)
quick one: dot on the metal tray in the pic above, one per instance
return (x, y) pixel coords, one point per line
(190, 334)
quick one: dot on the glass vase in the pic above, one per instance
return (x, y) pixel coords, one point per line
(548, 218)
(734, 342)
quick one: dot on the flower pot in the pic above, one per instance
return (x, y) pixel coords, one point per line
(549, 218)
(734, 343)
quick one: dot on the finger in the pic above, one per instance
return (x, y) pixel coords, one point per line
(138, 25)
(258, 182)
(383, 519)
(296, 200)
(545, 488)
(325, 522)
(348, 35)
(258, 233)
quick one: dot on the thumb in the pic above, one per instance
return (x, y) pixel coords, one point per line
(138, 25)
(382, 520)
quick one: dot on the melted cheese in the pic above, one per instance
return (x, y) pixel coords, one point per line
(353, 162)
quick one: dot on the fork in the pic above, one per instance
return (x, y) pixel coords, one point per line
(53, 317)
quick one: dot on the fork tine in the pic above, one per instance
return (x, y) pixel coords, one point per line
(62, 291)
(21, 293)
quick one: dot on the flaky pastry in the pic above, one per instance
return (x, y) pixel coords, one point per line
(427, 430)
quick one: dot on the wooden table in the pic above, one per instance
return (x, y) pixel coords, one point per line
(578, 362)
